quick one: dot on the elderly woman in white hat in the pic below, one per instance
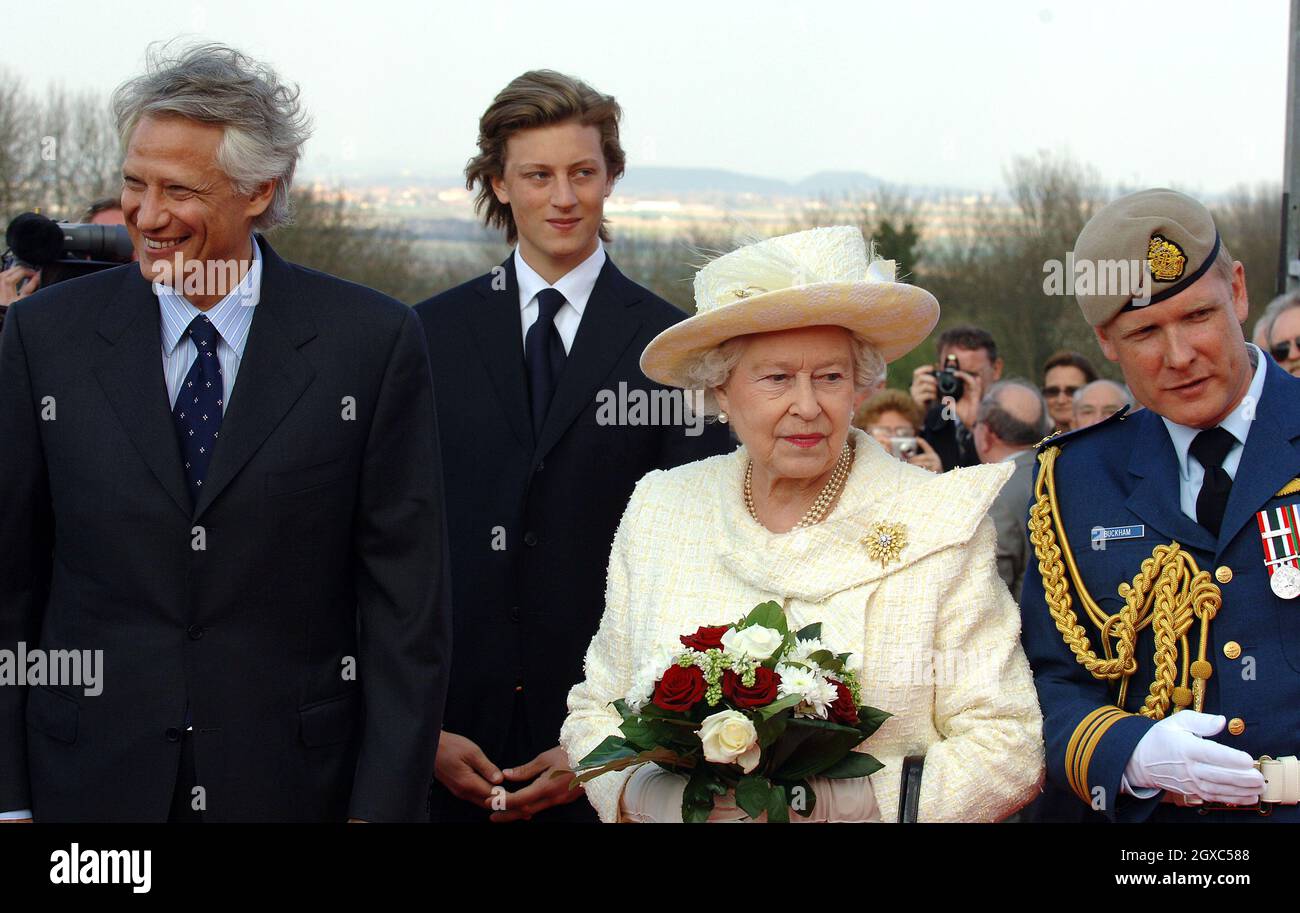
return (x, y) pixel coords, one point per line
(790, 336)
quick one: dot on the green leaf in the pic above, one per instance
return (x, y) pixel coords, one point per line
(870, 719)
(613, 748)
(639, 733)
(769, 730)
(778, 807)
(621, 706)
(697, 798)
(752, 795)
(810, 632)
(769, 615)
(661, 756)
(854, 764)
(826, 660)
(772, 709)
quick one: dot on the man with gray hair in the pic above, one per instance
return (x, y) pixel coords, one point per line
(222, 470)
(1098, 401)
(1281, 321)
(1012, 418)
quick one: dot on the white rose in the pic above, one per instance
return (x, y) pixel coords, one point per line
(756, 641)
(730, 738)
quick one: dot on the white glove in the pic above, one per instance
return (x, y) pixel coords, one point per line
(653, 794)
(1176, 755)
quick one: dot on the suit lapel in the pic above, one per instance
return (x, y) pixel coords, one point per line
(608, 326)
(498, 334)
(131, 374)
(272, 375)
(1271, 457)
(1155, 498)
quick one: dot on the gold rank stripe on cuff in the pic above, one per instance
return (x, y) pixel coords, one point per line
(1087, 735)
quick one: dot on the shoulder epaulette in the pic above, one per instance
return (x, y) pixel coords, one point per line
(1057, 438)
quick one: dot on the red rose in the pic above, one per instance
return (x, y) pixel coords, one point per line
(705, 638)
(843, 711)
(762, 694)
(680, 689)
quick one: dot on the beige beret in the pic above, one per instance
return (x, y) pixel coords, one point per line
(1168, 237)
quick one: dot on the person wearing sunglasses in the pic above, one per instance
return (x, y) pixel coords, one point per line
(1064, 374)
(1282, 318)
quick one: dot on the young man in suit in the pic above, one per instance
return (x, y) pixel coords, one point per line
(539, 463)
(219, 473)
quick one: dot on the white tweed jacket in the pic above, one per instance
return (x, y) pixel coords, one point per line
(937, 630)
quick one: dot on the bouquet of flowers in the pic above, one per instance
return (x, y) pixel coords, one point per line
(749, 707)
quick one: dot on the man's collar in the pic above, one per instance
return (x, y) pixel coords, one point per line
(575, 285)
(1237, 423)
(227, 315)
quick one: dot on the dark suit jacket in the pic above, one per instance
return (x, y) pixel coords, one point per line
(531, 523)
(1008, 511)
(322, 545)
(952, 442)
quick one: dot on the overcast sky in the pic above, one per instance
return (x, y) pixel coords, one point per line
(917, 93)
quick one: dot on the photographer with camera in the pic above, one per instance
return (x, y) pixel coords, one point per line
(19, 279)
(950, 391)
(893, 420)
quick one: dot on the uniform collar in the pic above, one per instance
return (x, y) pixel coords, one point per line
(226, 315)
(575, 285)
(1237, 423)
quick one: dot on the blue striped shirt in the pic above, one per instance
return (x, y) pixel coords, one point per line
(231, 316)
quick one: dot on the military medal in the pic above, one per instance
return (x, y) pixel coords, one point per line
(1279, 530)
(1285, 581)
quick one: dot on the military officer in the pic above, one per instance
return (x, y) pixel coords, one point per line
(1161, 612)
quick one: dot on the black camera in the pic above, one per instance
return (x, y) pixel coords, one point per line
(947, 381)
(64, 250)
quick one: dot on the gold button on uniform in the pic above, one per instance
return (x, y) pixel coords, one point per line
(1232, 649)
(1236, 725)
(1223, 574)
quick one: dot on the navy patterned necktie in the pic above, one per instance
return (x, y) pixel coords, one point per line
(198, 405)
(1210, 448)
(544, 351)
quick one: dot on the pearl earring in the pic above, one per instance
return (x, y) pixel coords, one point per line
(722, 417)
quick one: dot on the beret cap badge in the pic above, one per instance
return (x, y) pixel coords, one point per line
(1165, 259)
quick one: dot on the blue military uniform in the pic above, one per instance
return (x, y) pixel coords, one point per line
(1117, 491)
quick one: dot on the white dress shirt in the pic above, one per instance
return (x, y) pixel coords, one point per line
(231, 317)
(575, 286)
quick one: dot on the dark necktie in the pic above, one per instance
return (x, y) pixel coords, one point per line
(198, 405)
(544, 351)
(1210, 447)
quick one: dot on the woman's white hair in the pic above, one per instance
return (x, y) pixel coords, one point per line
(264, 124)
(712, 368)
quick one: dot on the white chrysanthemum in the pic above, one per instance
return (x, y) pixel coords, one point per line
(819, 697)
(653, 669)
(794, 680)
(854, 664)
(805, 648)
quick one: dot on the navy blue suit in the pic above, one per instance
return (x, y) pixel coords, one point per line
(1124, 473)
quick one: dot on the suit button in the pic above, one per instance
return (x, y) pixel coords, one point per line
(1223, 574)
(173, 734)
(530, 539)
(1232, 649)
(519, 685)
(1236, 725)
(514, 613)
(195, 632)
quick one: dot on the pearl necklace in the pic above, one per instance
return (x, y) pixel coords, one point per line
(820, 507)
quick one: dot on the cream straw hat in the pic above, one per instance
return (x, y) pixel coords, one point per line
(820, 277)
